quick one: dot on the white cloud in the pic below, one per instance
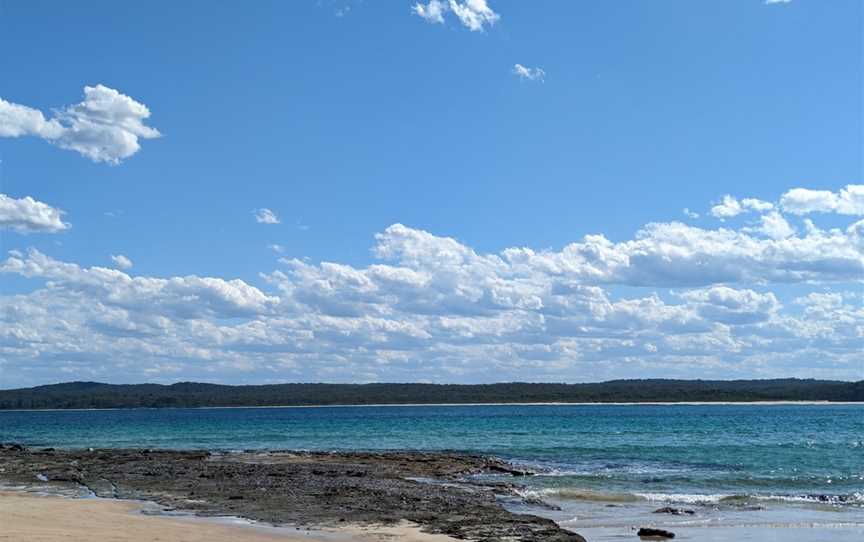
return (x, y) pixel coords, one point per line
(181, 297)
(775, 226)
(758, 205)
(770, 2)
(821, 301)
(727, 208)
(690, 214)
(730, 207)
(26, 215)
(121, 261)
(432, 307)
(730, 306)
(265, 216)
(19, 120)
(532, 74)
(105, 127)
(473, 14)
(801, 201)
(675, 254)
(433, 12)
(277, 248)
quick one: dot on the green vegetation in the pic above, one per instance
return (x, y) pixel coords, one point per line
(190, 394)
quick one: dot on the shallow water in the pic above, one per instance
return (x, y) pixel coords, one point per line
(768, 465)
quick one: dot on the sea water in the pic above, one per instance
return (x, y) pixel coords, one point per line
(606, 466)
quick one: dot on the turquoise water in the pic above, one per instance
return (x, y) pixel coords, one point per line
(708, 454)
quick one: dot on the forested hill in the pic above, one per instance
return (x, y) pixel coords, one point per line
(190, 394)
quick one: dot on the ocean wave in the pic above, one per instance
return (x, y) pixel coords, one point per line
(744, 499)
(715, 499)
(573, 494)
(606, 469)
(851, 498)
(717, 477)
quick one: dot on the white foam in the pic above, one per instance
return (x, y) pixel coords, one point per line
(689, 498)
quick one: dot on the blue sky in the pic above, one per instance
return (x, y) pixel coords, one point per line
(345, 118)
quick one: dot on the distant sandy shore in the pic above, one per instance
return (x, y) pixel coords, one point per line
(36, 518)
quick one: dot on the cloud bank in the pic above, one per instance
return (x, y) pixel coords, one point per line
(756, 300)
(105, 127)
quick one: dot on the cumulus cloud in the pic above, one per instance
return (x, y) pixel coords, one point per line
(105, 127)
(265, 216)
(532, 74)
(802, 201)
(180, 297)
(775, 226)
(695, 302)
(730, 306)
(730, 206)
(26, 215)
(121, 261)
(473, 14)
(675, 254)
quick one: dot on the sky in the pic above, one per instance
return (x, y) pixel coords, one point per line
(449, 191)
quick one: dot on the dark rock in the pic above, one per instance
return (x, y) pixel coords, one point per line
(674, 511)
(305, 488)
(66, 476)
(533, 501)
(648, 532)
(504, 469)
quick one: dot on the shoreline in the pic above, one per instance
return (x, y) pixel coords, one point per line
(296, 496)
(319, 490)
(27, 515)
(376, 405)
(55, 518)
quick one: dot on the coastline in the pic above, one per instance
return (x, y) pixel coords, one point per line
(51, 518)
(292, 496)
(379, 405)
(313, 490)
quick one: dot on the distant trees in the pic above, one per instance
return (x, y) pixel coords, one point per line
(192, 394)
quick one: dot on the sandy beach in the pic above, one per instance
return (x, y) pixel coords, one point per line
(41, 518)
(47, 518)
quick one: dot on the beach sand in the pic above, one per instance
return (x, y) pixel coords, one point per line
(37, 518)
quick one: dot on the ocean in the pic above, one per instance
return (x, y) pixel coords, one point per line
(605, 466)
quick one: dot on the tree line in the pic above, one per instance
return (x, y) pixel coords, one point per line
(193, 394)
